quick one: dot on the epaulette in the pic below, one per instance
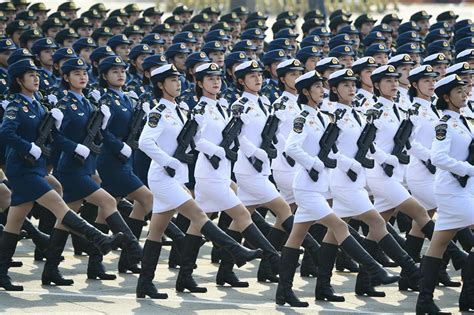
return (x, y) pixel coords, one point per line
(359, 96)
(378, 105)
(161, 107)
(445, 118)
(304, 113)
(415, 110)
(339, 113)
(281, 104)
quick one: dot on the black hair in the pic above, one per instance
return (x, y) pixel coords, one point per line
(15, 87)
(157, 92)
(132, 69)
(65, 83)
(333, 97)
(146, 80)
(239, 86)
(359, 81)
(189, 76)
(281, 85)
(376, 91)
(228, 77)
(441, 104)
(198, 90)
(302, 99)
(102, 81)
(412, 92)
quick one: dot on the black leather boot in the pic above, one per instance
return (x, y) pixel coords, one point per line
(465, 238)
(185, 280)
(47, 220)
(308, 267)
(363, 286)
(466, 298)
(145, 286)
(404, 222)
(225, 274)
(240, 254)
(410, 275)
(88, 212)
(269, 264)
(429, 270)
(309, 243)
(136, 226)
(130, 242)
(95, 267)
(265, 271)
(413, 246)
(400, 240)
(177, 236)
(224, 222)
(377, 273)
(51, 273)
(327, 258)
(103, 242)
(40, 239)
(443, 276)
(261, 223)
(344, 261)
(8, 243)
(174, 258)
(284, 293)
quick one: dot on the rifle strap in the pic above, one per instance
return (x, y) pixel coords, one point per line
(180, 115)
(262, 107)
(464, 121)
(321, 119)
(356, 116)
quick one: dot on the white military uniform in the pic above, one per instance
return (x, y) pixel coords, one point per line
(388, 191)
(449, 153)
(403, 101)
(363, 101)
(350, 198)
(254, 188)
(212, 190)
(420, 181)
(283, 173)
(302, 146)
(158, 141)
(327, 106)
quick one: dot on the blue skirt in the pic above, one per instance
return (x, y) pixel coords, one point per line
(76, 187)
(27, 188)
(117, 178)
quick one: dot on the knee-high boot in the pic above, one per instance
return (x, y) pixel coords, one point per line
(224, 222)
(185, 280)
(8, 242)
(225, 274)
(413, 246)
(177, 237)
(136, 226)
(308, 267)
(95, 267)
(364, 286)
(183, 224)
(130, 242)
(288, 264)
(265, 271)
(327, 258)
(51, 273)
(145, 286)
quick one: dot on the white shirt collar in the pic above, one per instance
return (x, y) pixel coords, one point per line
(385, 102)
(365, 93)
(253, 98)
(208, 100)
(310, 109)
(451, 113)
(292, 97)
(168, 103)
(403, 90)
(422, 102)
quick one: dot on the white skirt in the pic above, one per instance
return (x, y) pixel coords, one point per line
(454, 211)
(255, 189)
(168, 194)
(312, 206)
(423, 191)
(214, 195)
(350, 202)
(284, 182)
(388, 193)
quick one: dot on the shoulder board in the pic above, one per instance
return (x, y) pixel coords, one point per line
(238, 107)
(359, 96)
(378, 105)
(161, 107)
(298, 124)
(445, 118)
(284, 99)
(415, 109)
(339, 113)
(304, 113)
(441, 130)
(201, 103)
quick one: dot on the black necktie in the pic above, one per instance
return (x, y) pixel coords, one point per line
(262, 107)
(434, 110)
(395, 110)
(354, 113)
(321, 119)
(464, 121)
(221, 111)
(179, 114)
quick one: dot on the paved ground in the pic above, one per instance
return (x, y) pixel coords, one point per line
(117, 297)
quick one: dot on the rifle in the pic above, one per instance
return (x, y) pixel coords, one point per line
(185, 139)
(269, 136)
(135, 129)
(401, 140)
(44, 130)
(230, 134)
(366, 143)
(93, 139)
(470, 159)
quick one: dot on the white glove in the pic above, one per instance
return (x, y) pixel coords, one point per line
(35, 151)
(106, 111)
(220, 153)
(5, 104)
(126, 150)
(58, 117)
(82, 150)
(95, 94)
(392, 160)
(261, 155)
(52, 99)
(174, 164)
(356, 167)
(318, 165)
(132, 94)
(146, 107)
